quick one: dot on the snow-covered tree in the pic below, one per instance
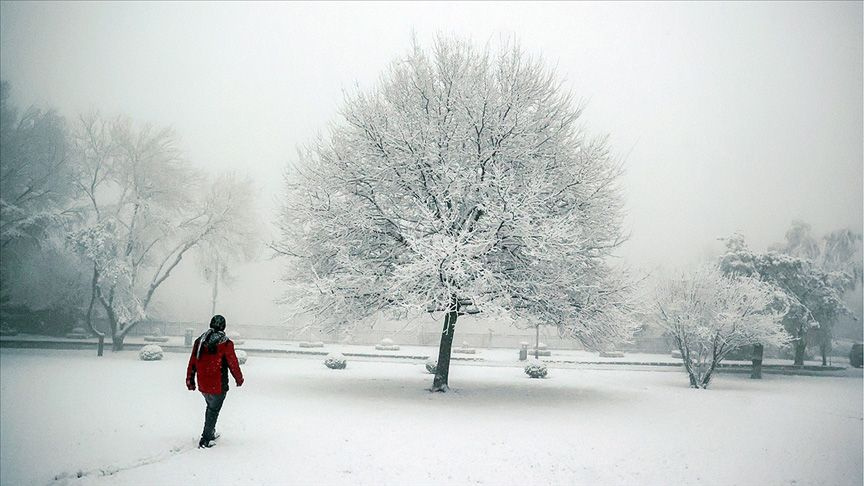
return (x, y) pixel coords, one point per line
(36, 173)
(39, 281)
(838, 254)
(815, 297)
(461, 183)
(709, 314)
(147, 211)
(219, 251)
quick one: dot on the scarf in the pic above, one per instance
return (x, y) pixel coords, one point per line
(211, 339)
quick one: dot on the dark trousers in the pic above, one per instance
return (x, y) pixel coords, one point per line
(214, 405)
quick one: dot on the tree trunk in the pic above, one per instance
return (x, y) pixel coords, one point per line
(758, 352)
(685, 358)
(442, 369)
(101, 335)
(215, 288)
(537, 342)
(800, 347)
(706, 378)
(823, 349)
(117, 342)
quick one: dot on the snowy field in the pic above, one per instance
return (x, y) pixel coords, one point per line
(118, 421)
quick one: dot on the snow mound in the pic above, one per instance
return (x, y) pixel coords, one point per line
(536, 369)
(315, 344)
(150, 352)
(241, 356)
(335, 361)
(387, 344)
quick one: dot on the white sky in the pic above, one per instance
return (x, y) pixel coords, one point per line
(732, 117)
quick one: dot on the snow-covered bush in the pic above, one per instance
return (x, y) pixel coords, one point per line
(335, 361)
(150, 352)
(387, 344)
(431, 366)
(241, 356)
(709, 314)
(235, 337)
(536, 369)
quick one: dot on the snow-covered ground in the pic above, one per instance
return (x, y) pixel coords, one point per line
(116, 421)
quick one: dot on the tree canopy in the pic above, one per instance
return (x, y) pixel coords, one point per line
(461, 181)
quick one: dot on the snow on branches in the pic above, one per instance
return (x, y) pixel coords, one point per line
(710, 314)
(462, 178)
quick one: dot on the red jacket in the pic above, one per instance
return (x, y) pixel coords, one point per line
(212, 369)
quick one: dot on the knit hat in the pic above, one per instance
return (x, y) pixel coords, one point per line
(217, 323)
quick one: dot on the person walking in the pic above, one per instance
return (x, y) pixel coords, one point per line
(212, 358)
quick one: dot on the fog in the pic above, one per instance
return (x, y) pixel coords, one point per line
(730, 117)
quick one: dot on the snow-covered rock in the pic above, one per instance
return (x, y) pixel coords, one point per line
(150, 352)
(241, 356)
(536, 369)
(336, 361)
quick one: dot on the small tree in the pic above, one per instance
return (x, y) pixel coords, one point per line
(462, 182)
(218, 251)
(709, 314)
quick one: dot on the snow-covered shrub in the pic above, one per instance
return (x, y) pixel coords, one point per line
(431, 366)
(150, 352)
(387, 344)
(710, 314)
(314, 344)
(241, 356)
(536, 369)
(335, 361)
(235, 337)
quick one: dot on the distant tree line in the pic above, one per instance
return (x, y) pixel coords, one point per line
(96, 214)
